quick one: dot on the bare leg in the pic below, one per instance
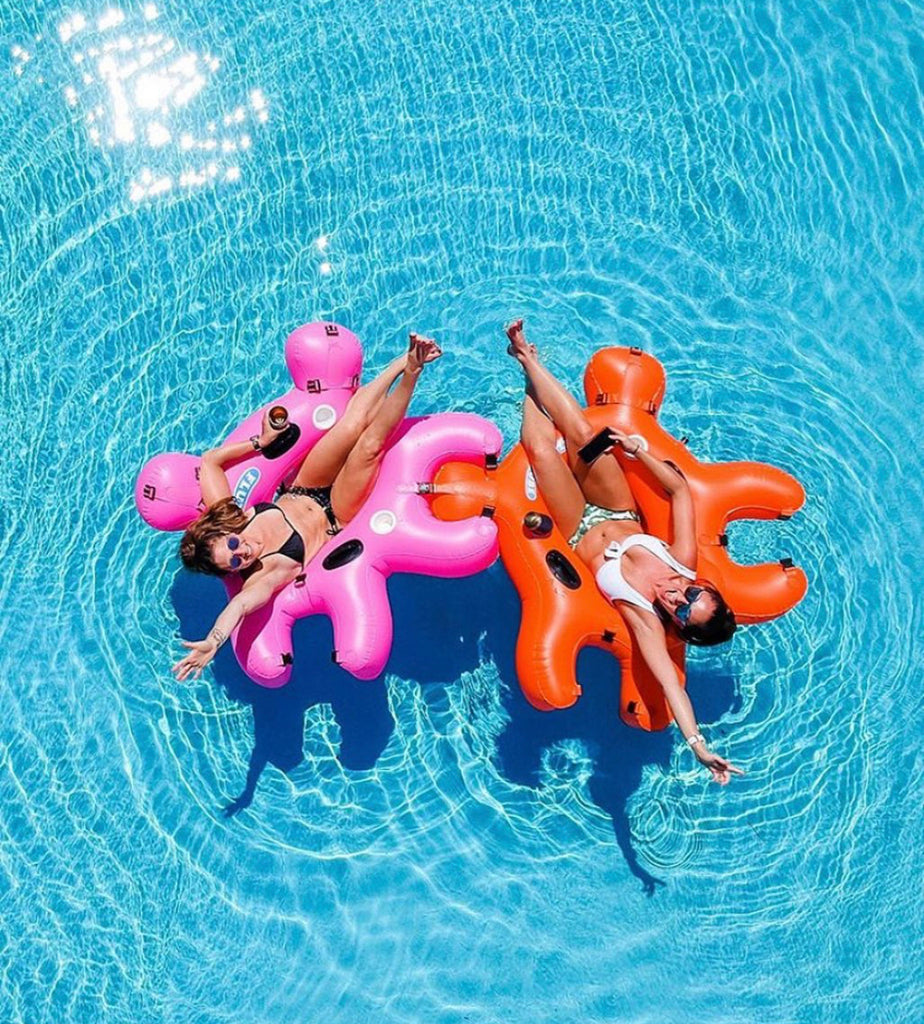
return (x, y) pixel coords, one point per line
(326, 458)
(554, 479)
(355, 480)
(552, 396)
(603, 483)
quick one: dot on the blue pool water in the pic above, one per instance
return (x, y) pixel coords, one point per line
(735, 188)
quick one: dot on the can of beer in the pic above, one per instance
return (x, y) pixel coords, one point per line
(278, 417)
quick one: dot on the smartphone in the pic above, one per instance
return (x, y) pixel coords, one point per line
(596, 446)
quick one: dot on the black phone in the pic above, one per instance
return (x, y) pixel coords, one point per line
(596, 446)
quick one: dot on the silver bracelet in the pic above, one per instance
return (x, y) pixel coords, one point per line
(219, 637)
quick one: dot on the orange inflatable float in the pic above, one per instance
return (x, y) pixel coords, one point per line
(563, 611)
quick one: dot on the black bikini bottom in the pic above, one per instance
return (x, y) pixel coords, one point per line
(322, 496)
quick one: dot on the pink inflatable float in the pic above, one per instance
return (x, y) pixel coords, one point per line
(395, 530)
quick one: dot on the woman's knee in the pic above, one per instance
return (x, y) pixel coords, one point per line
(582, 431)
(537, 433)
(540, 448)
(369, 447)
(356, 417)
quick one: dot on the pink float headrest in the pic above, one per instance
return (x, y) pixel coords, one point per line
(322, 355)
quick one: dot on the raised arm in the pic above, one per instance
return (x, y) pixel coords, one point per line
(255, 593)
(212, 479)
(652, 643)
(683, 514)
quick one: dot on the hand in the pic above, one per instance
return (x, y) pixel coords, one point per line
(421, 351)
(628, 444)
(721, 769)
(200, 654)
(269, 433)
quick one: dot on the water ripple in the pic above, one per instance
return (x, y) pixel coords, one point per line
(727, 187)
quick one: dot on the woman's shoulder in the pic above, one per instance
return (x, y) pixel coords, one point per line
(642, 622)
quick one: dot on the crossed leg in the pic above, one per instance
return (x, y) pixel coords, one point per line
(327, 457)
(602, 483)
(554, 479)
(354, 481)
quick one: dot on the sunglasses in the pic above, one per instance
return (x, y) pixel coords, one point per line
(236, 561)
(683, 611)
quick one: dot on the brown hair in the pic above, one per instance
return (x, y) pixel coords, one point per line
(222, 519)
(718, 628)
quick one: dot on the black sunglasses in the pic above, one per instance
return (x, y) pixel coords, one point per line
(683, 611)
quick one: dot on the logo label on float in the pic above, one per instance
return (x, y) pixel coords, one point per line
(245, 485)
(529, 484)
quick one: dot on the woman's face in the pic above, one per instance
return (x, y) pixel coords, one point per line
(233, 552)
(686, 601)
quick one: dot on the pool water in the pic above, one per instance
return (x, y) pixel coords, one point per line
(735, 188)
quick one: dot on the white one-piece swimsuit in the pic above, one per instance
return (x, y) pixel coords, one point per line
(609, 576)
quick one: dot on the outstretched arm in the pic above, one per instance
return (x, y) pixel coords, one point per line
(256, 592)
(652, 643)
(683, 515)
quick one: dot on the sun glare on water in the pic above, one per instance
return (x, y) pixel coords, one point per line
(139, 91)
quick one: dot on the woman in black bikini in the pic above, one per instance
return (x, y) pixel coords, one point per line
(270, 544)
(653, 584)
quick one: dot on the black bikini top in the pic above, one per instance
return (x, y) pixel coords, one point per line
(294, 547)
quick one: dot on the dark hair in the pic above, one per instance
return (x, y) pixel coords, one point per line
(717, 629)
(221, 520)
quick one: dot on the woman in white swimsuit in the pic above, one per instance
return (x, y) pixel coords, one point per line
(654, 584)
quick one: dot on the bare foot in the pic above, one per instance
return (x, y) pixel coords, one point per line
(519, 347)
(421, 351)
